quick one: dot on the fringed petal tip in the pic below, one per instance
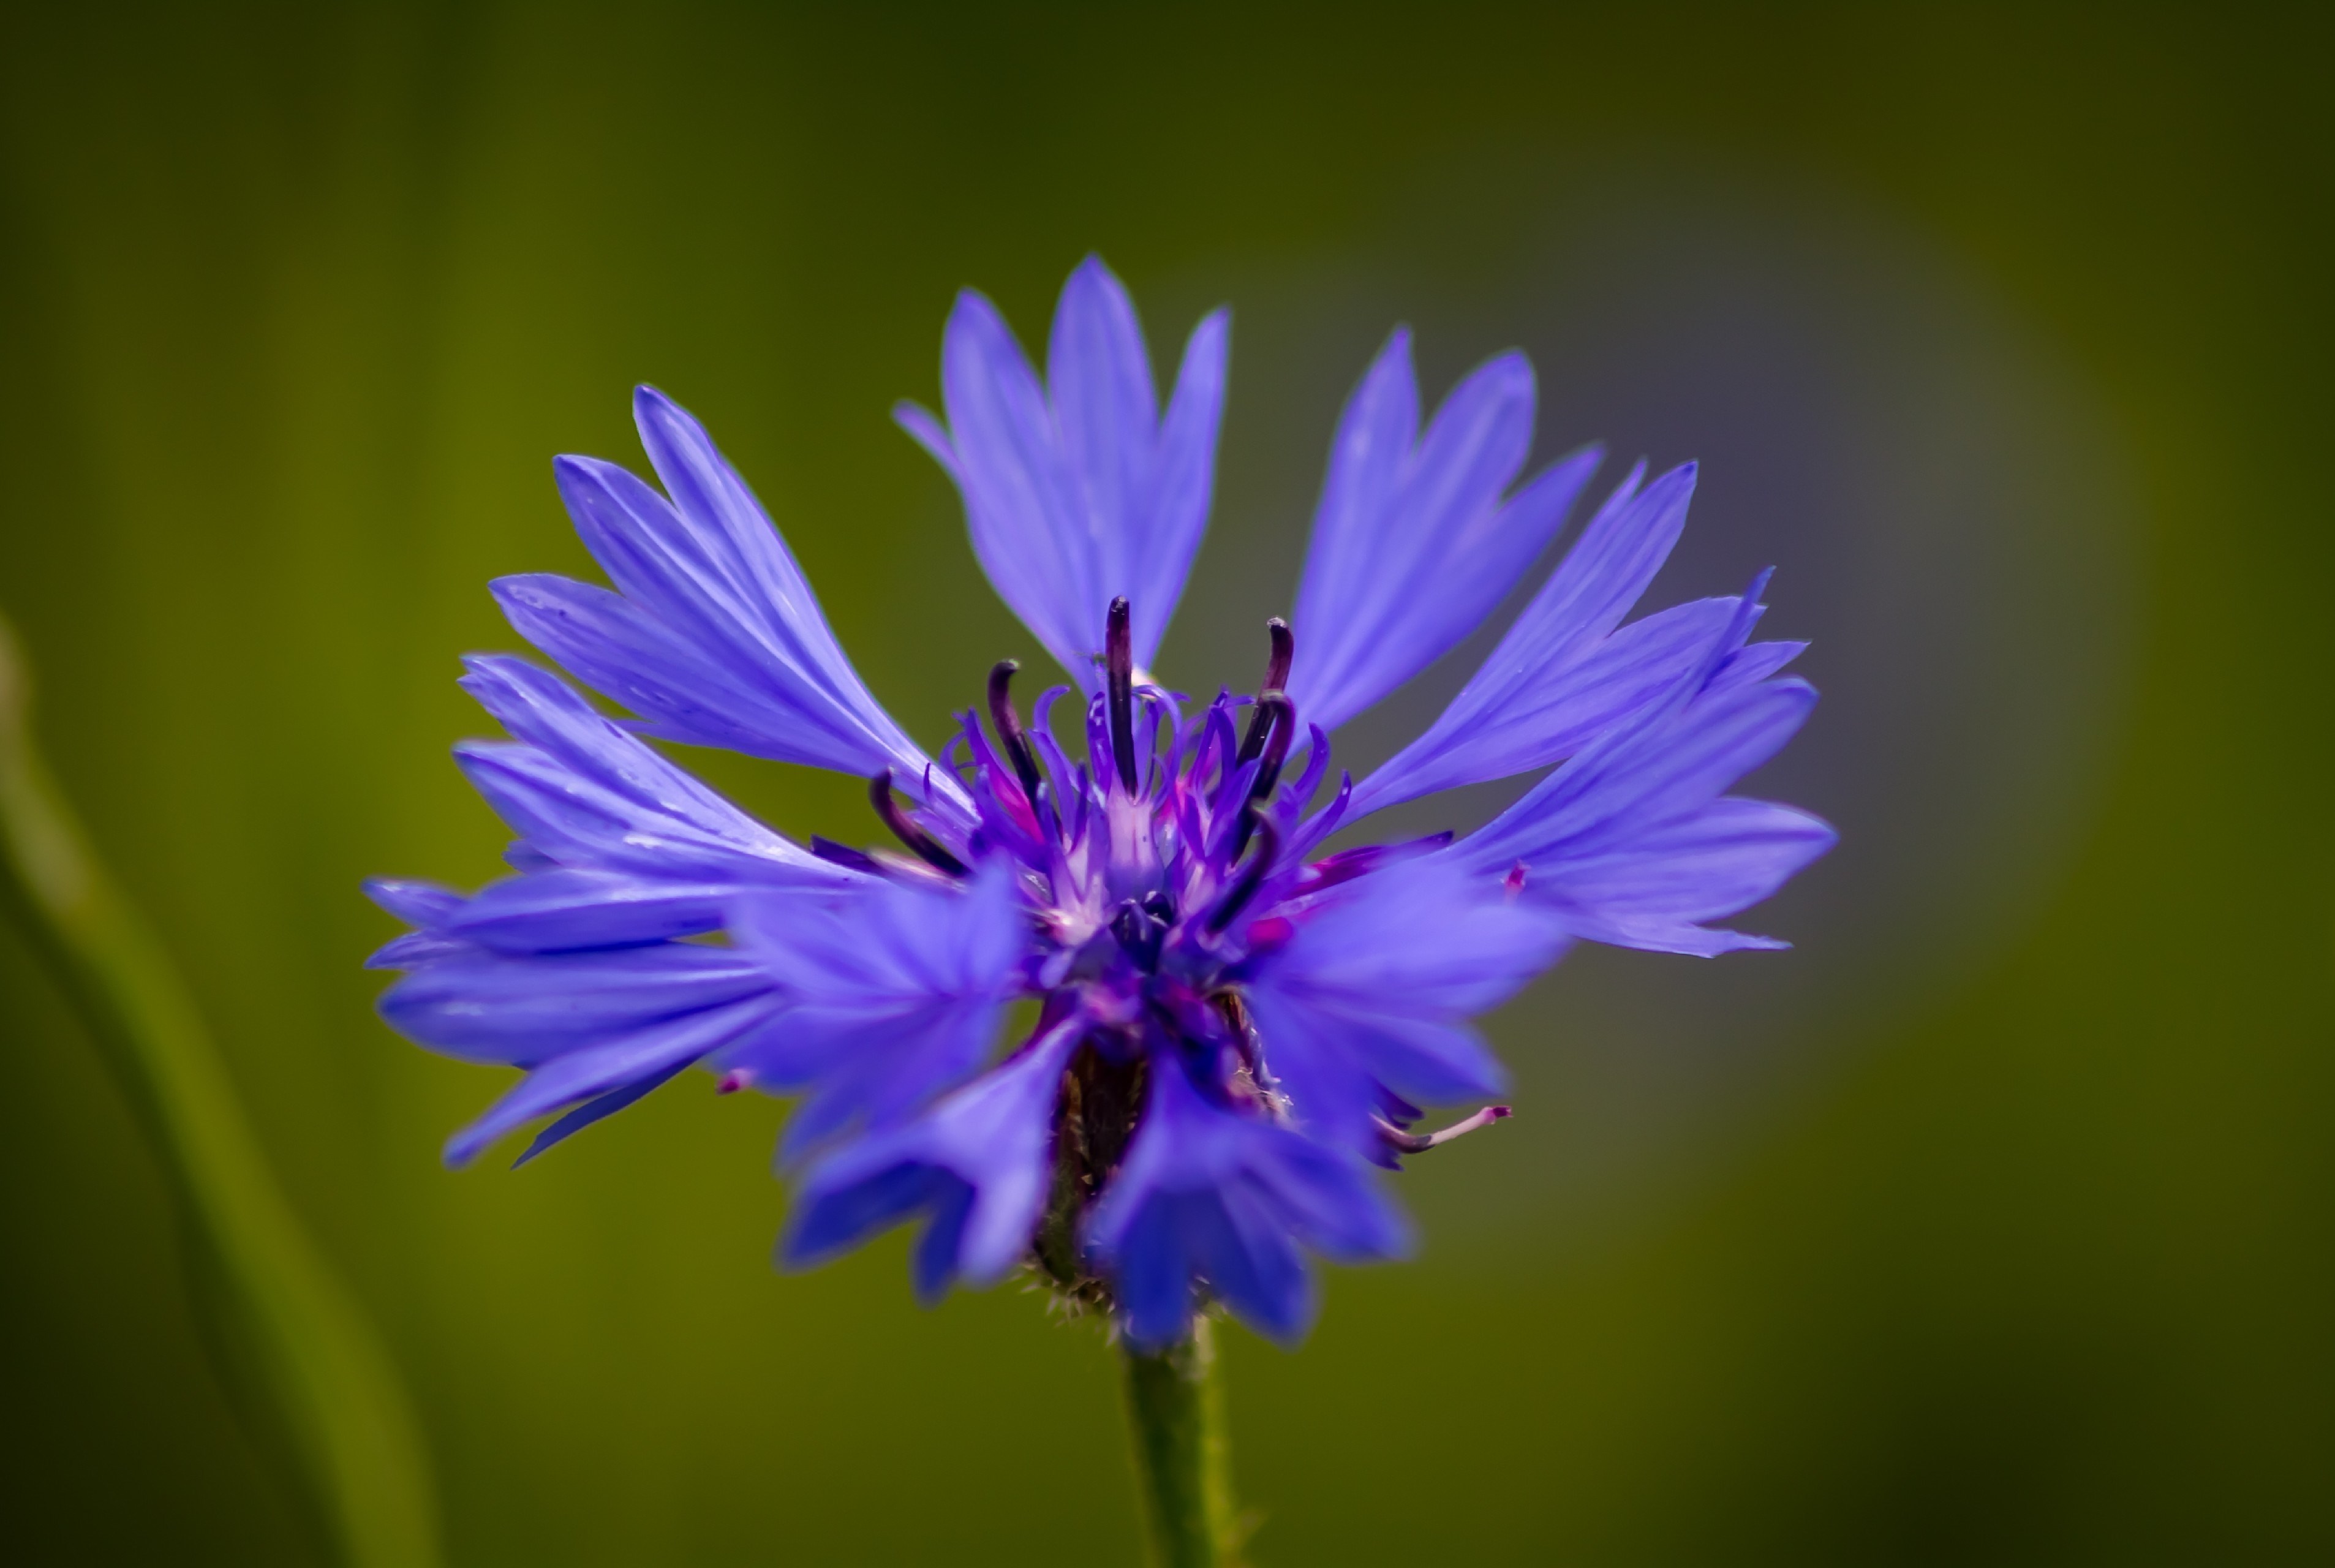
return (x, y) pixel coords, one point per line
(416, 903)
(584, 1115)
(712, 630)
(462, 1149)
(413, 950)
(1078, 488)
(1417, 536)
(925, 427)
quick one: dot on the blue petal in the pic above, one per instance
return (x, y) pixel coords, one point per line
(1631, 841)
(484, 1006)
(639, 1057)
(1152, 1273)
(1602, 800)
(1021, 503)
(1106, 416)
(1146, 488)
(561, 911)
(934, 1265)
(1078, 492)
(1655, 892)
(1232, 1240)
(1211, 1197)
(857, 1204)
(930, 434)
(1333, 1060)
(1564, 674)
(1158, 562)
(1412, 545)
(566, 968)
(590, 795)
(599, 1110)
(616, 647)
(1423, 937)
(422, 903)
(713, 633)
(415, 949)
(990, 1139)
(1754, 662)
(886, 997)
(425, 904)
(1373, 992)
(522, 857)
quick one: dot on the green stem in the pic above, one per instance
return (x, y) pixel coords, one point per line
(294, 1349)
(1175, 1404)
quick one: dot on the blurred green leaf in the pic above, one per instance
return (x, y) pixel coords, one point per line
(301, 1359)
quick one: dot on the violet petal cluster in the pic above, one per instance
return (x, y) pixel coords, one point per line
(1235, 1027)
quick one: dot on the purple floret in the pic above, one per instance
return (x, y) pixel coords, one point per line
(1079, 492)
(1401, 509)
(1236, 1026)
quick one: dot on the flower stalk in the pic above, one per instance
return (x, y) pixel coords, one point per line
(298, 1357)
(1176, 1408)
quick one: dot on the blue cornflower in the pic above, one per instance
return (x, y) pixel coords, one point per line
(1232, 1029)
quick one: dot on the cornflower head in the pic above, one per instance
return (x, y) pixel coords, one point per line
(1235, 1028)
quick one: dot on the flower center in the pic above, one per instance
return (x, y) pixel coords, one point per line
(1151, 873)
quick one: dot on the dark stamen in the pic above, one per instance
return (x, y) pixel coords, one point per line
(919, 843)
(843, 855)
(1251, 877)
(1118, 659)
(1009, 727)
(1276, 679)
(1280, 715)
(1283, 713)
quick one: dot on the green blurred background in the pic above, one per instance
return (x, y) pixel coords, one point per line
(1996, 1223)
